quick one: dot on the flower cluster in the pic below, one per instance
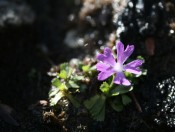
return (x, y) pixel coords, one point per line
(108, 65)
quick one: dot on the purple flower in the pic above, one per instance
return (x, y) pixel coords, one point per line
(108, 66)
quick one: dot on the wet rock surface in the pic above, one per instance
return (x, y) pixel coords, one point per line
(36, 35)
(166, 112)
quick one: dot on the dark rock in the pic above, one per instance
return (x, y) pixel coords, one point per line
(15, 13)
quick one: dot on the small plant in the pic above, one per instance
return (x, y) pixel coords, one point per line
(115, 80)
(68, 81)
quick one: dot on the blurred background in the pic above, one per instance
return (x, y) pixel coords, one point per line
(36, 35)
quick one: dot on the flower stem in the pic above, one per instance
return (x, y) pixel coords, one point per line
(138, 107)
(112, 82)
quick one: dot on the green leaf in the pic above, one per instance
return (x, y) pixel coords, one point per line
(56, 82)
(73, 100)
(116, 107)
(63, 87)
(70, 70)
(93, 68)
(120, 90)
(89, 103)
(96, 107)
(115, 93)
(105, 88)
(86, 68)
(117, 104)
(56, 98)
(64, 66)
(53, 92)
(63, 74)
(100, 115)
(73, 84)
(66, 71)
(141, 58)
(128, 74)
(144, 71)
(126, 100)
(77, 77)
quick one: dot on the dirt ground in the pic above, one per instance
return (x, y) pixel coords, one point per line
(30, 47)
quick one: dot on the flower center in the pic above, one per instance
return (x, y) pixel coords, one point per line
(118, 67)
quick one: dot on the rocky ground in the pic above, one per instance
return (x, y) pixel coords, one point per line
(36, 35)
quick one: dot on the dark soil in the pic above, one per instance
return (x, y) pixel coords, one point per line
(26, 54)
(30, 48)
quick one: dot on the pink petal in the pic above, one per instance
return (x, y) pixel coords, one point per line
(133, 66)
(122, 55)
(120, 79)
(106, 74)
(135, 63)
(120, 50)
(134, 71)
(107, 57)
(102, 66)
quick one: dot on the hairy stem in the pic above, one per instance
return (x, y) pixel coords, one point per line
(138, 107)
(112, 82)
